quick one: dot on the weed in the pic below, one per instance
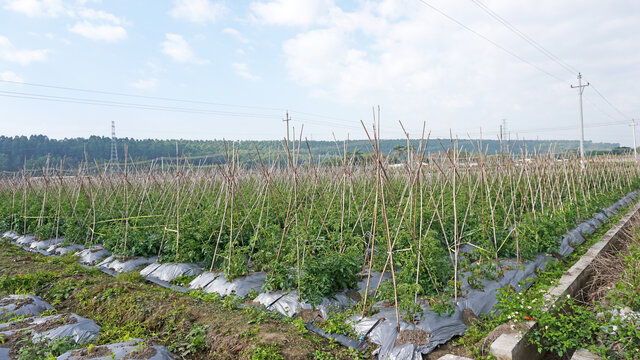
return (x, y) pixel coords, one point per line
(249, 333)
(183, 280)
(231, 302)
(266, 352)
(29, 350)
(338, 323)
(28, 283)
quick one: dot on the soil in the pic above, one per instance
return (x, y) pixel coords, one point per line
(17, 325)
(310, 315)
(8, 341)
(100, 351)
(26, 258)
(469, 317)
(126, 258)
(417, 337)
(507, 328)
(17, 302)
(448, 348)
(157, 312)
(148, 351)
(354, 295)
(54, 323)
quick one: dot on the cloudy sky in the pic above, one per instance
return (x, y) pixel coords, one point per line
(209, 69)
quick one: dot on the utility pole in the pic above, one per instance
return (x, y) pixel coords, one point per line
(635, 146)
(287, 119)
(580, 88)
(504, 127)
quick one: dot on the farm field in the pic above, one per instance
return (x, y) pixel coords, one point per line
(192, 327)
(404, 240)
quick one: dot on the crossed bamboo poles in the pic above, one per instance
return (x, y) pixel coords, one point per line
(459, 195)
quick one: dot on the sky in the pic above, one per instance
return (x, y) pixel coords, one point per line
(211, 69)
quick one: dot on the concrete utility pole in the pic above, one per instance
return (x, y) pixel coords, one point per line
(580, 88)
(635, 146)
(287, 119)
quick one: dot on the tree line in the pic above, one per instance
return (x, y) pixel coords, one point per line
(36, 151)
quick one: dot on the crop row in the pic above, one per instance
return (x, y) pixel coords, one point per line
(320, 229)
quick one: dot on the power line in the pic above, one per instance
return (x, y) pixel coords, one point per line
(201, 102)
(124, 105)
(542, 49)
(491, 41)
(118, 104)
(139, 96)
(608, 102)
(524, 36)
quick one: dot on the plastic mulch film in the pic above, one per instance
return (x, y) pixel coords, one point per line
(600, 217)
(62, 250)
(286, 304)
(569, 242)
(217, 282)
(442, 328)
(25, 240)
(45, 244)
(93, 255)
(117, 351)
(22, 305)
(73, 327)
(11, 235)
(121, 266)
(480, 301)
(168, 272)
(289, 304)
(373, 282)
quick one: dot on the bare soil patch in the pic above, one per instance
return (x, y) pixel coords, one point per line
(417, 337)
(100, 351)
(20, 302)
(54, 323)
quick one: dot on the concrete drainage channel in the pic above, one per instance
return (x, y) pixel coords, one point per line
(514, 346)
(377, 329)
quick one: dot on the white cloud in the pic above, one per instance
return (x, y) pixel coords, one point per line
(103, 32)
(99, 15)
(292, 12)
(36, 8)
(10, 76)
(237, 34)
(417, 64)
(243, 70)
(91, 23)
(176, 47)
(8, 52)
(145, 84)
(197, 11)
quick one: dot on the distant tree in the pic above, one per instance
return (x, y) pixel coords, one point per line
(4, 162)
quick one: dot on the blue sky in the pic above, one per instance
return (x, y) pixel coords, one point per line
(327, 62)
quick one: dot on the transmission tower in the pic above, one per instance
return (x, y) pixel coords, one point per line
(114, 148)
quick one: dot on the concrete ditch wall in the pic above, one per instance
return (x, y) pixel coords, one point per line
(515, 346)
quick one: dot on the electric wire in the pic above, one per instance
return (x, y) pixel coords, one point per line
(525, 37)
(504, 49)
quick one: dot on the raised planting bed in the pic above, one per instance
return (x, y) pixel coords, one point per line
(426, 247)
(192, 326)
